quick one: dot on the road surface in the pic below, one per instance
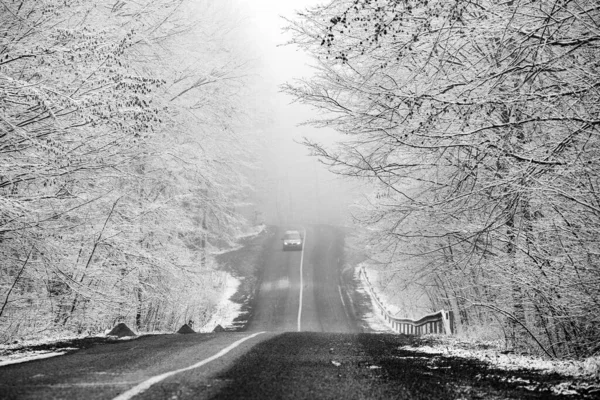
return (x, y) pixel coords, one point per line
(302, 341)
(323, 308)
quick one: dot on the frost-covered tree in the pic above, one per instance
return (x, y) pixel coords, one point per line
(116, 180)
(479, 122)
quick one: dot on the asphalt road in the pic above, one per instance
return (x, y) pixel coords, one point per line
(303, 341)
(299, 291)
(323, 308)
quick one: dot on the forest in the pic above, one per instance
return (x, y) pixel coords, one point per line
(118, 124)
(126, 157)
(478, 124)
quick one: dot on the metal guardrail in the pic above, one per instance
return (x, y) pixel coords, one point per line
(438, 322)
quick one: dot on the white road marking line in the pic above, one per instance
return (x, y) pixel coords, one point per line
(80, 384)
(342, 297)
(301, 282)
(155, 379)
(346, 311)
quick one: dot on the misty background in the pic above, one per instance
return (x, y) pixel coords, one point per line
(292, 187)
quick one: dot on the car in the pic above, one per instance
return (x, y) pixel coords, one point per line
(292, 240)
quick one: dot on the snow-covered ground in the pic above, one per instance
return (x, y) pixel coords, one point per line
(491, 353)
(225, 313)
(14, 353)
(373, 279)
(226, 310)
(374, 318)
(580, 376)
(21, 357)
(452, 346)
(252, 231)
(409, 302)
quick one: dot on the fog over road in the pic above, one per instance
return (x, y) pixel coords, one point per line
(303, 340)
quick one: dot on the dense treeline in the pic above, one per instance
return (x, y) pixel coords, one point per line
(479, 122)
(117, 127)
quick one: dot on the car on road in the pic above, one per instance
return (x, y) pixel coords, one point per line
(292, 240)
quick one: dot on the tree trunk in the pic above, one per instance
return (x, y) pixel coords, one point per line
(516, 292)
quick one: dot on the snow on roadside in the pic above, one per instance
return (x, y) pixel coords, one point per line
(15, 354)
(374, 319)
(226, 310)
(224, 315)
(452, 346)
(373, 277)
(21, 357)
(449, 346)
(254, 231)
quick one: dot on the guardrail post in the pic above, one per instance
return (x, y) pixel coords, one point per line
(447, 319)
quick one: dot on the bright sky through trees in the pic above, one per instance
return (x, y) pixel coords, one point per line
(301, 189)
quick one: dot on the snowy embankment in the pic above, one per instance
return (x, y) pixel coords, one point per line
(251, 232)
(492, 353)
(226, 310)
(21, 357)
(37, 349)
(372, 283)
(374, 319)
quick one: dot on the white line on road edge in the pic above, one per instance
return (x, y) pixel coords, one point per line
(301, 282)
(342, 297)
(155, 379)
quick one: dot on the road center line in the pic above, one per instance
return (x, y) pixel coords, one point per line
(301, 282)
(155, 379)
